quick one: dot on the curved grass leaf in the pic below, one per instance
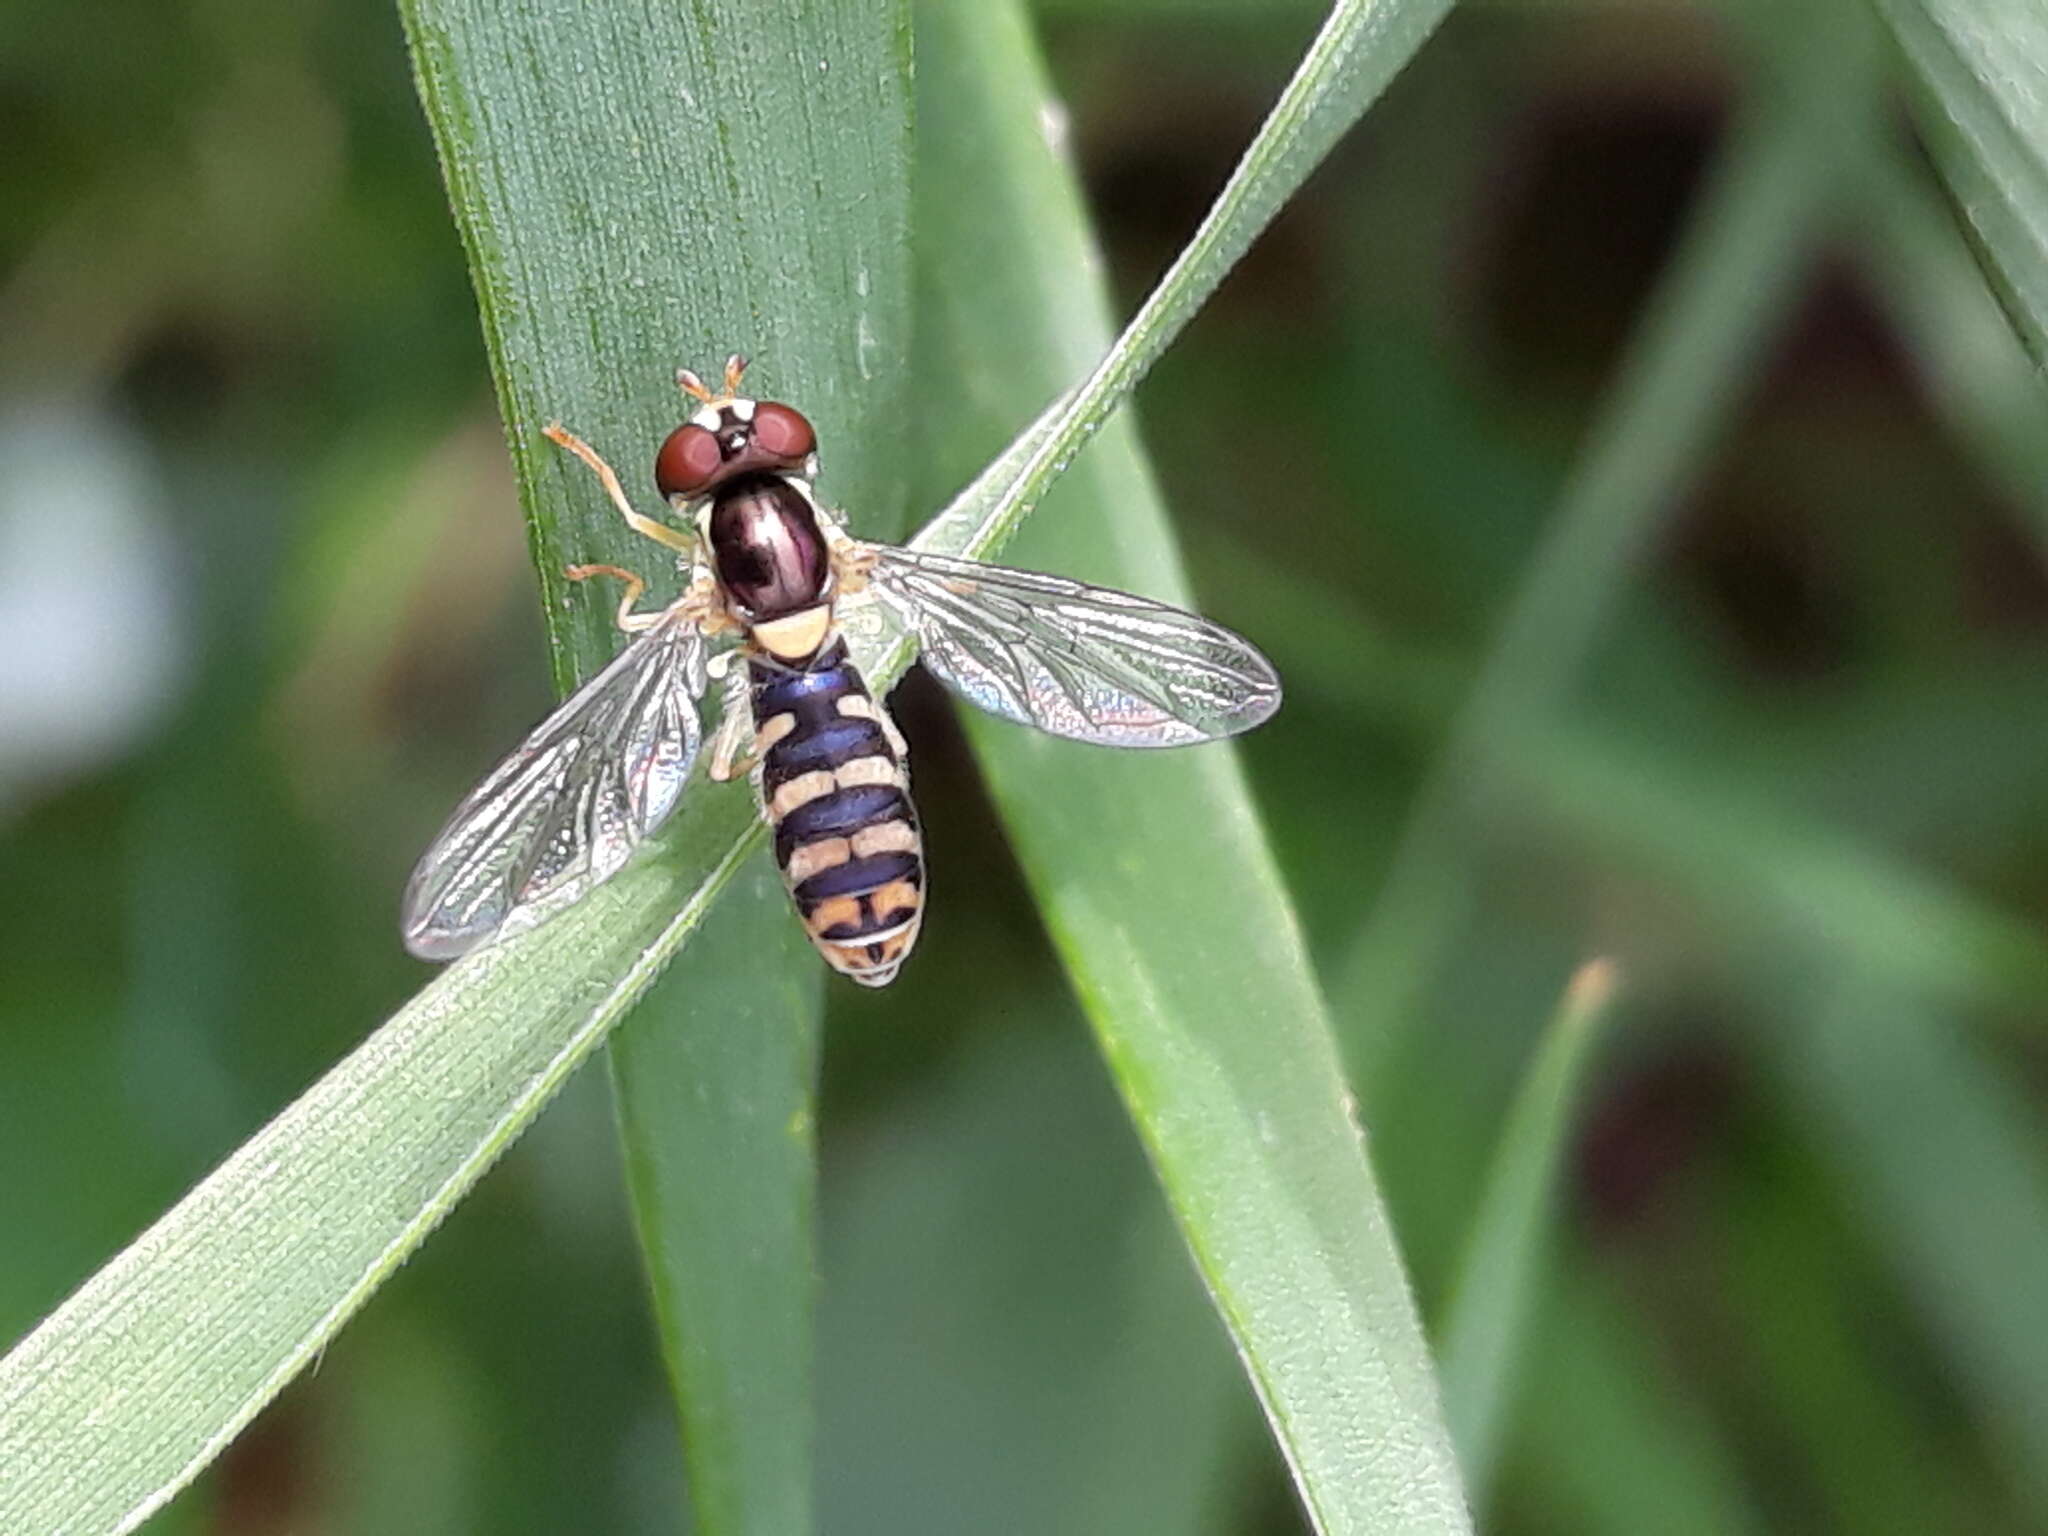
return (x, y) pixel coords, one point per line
(1972, 353)
(144, 1374)
(1151, 868)
(1492, 1293)
(1980, 64)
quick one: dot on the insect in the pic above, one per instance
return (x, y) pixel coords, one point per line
(768, 567)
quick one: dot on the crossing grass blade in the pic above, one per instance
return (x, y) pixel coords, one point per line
(1151, 869)
(1979, 66)
(1500, 1270)
(119, 1397)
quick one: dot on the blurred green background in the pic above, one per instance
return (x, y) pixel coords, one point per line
(265, 613)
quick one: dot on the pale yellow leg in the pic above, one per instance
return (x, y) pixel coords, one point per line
(734, 726)
(628, 620)
(682, 543)
(727, 761)
(851, 563)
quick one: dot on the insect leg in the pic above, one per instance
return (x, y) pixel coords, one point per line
(628, 620)
(661, 533)
(851, 559)
(735, 723)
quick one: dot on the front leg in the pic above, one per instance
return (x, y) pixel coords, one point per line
(673, 538)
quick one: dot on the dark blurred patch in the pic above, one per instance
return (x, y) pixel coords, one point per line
(265, 1482)
(183, 375)
(1838, 458)
(1157, 147)
(2006, 590)
(1765, 585)
(1588, 198)
(1651, 1127)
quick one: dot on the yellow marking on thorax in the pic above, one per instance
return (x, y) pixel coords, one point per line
(857, 706)
(772, 730)
(796, 635)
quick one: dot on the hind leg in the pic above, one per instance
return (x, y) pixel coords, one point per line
(735, 727)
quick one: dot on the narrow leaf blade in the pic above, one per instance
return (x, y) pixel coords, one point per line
(1151, 869)
(643, 189)
(716, 1111)
(1980, 64)
(1494, 1291)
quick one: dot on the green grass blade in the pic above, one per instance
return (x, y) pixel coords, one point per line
(1769, 875)
(1013, 1159)
(1979, 65)
(141, 1377)
(1494, 1287)
(715, 1075)
(1360, 48)
(1730, 282)
(1878, 1454)
(1735, 843)
(1150, 867)
(1944, 1156)
(1622, 1445)
(640, 190)
(122, 1394)
(1979, 374)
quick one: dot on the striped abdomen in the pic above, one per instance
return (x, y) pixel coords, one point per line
(837, 794)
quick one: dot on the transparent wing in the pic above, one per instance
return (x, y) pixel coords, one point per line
(1076, 660)
(567, 808)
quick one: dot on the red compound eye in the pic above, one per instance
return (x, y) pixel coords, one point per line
(688, 462)
(783, 432)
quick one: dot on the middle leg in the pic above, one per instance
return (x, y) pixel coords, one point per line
(628, 620)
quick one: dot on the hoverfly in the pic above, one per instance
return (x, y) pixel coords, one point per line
(768, 567)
